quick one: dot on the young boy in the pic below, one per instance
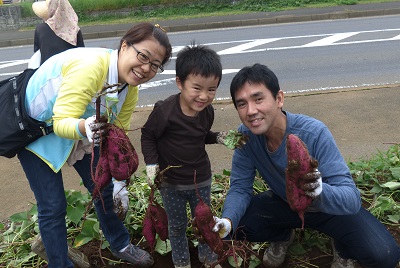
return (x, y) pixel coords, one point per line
(175, 134)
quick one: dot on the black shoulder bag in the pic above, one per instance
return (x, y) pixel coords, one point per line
(18, 129)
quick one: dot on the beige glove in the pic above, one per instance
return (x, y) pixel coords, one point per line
(121, 199)
(152, 172)
(313, 185)
(94, 130)
(223, 226)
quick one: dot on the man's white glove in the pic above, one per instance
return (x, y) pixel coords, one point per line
(313, 184)
(152, 172)
(121, 199)
(232, 139)
(94, 130)
(223, 226)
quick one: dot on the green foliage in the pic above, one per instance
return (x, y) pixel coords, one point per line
(147, 10)
(378, 179)
(346, 2)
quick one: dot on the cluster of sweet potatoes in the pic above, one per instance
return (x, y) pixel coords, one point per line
(118, 159)
(155, 222)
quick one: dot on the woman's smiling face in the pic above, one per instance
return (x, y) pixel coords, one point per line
(130, 69)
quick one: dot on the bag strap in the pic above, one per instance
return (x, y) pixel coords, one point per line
(21, 89)
(46, 130)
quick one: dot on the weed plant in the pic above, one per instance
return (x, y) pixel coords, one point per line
(140, 10)
(377, 178)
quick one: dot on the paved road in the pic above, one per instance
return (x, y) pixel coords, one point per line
(13, 38)
(362, 120)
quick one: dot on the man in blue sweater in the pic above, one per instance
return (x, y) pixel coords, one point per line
(336, 205)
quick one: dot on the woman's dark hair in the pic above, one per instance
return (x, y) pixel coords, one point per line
(144, 31)
(256, 74)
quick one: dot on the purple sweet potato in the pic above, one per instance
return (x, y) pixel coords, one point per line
(160, 220)
(204, 222)
(148, 231)
(155, 222)
(299, 163)
(122, 157)
(102, 176)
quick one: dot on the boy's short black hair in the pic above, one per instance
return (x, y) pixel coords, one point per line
(198, 60)
(256, 74)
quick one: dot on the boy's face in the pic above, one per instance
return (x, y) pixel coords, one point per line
(197, 92)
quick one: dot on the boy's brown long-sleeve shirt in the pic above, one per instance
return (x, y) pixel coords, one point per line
(169, 137)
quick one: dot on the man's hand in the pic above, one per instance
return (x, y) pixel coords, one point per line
(223, 226)
(121, 199)
(94, 130)
(313, 184)
(232, 139)
(151, 173)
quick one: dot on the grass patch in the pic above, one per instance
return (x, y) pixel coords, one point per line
(155, 10)
(377, 178)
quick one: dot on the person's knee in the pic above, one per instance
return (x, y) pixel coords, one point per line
(382, 257)
(246, 232)
(177, 230)
(54, 210)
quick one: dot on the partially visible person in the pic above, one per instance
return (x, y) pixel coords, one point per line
(175, 134)
(336, 207)
(62, 92)
(59, 31)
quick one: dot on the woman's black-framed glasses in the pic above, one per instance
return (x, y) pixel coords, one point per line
(144, 59)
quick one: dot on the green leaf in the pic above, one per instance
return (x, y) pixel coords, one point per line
(392, 185)
(254, 261)
(19, 261)
(235, 262)
(226, 172)
(89, 232)
(395, 172)
(163, 247)
(75, 214)
(232, 139)
(394, 218)
(82, 239)
(76, 198)
(33, 212)
(297, 249)
(376, 189)
(18, 217)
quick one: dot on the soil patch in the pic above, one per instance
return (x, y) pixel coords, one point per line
(314, 258)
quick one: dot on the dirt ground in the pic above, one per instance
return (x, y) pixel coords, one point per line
(314, 258)
(362, 121)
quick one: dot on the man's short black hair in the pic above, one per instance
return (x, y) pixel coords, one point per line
(256, 74)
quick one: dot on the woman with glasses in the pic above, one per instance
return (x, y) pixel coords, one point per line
(62, 93)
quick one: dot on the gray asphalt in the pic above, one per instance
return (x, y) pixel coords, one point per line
(362, 120)
(25, 37)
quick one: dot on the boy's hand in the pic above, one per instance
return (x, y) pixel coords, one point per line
(151, 173)
(232, 139)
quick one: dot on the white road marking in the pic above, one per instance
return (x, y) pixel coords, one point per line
(247, 46)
